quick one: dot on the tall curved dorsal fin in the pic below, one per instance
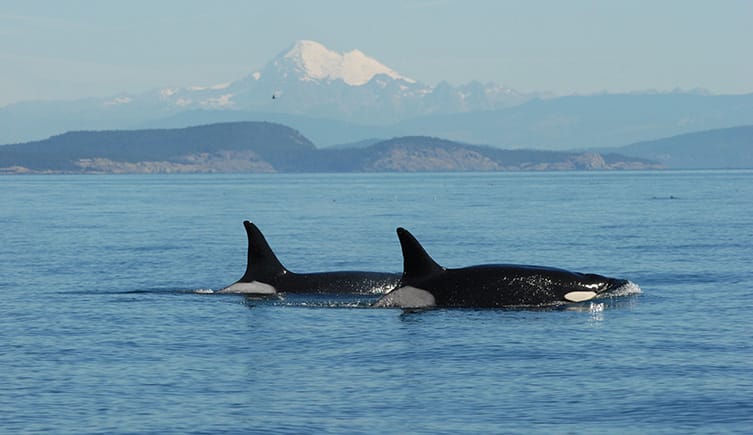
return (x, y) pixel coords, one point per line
(262, 263)
(416, 262)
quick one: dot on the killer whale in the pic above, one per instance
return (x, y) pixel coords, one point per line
(425, 283)
(265, 275)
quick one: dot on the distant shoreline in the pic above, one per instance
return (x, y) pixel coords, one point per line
(262, 147)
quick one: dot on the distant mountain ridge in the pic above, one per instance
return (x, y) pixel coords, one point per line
(307, 79)
(585, 122)
(335, 98)
(566, 123)
(727, 148)
(268, 147)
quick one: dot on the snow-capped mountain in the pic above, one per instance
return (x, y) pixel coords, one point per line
(311, 61)
(306, 79)
(310, 79)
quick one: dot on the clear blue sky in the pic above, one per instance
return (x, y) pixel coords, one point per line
(59, 49)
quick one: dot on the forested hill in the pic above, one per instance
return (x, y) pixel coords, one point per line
(269, 147)
(189, 149)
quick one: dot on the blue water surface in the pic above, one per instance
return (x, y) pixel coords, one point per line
(108, 324)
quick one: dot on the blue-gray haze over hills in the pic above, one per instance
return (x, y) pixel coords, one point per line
(329, 111)
(727, 148)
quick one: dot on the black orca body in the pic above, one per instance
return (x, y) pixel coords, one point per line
(427, 284)
(265, 275)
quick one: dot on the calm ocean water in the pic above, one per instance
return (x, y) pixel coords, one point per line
(105, 326)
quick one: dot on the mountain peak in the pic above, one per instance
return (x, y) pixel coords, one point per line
(312, 61)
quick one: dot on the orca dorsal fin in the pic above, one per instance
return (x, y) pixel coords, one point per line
(262, 263)
(416, 262)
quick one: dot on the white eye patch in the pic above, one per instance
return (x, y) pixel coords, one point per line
(579, 296)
